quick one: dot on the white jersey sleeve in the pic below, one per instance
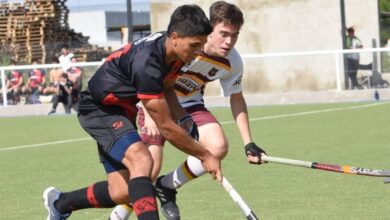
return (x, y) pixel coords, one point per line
(231, 83)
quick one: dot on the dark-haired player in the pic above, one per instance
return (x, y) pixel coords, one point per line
(144, 70)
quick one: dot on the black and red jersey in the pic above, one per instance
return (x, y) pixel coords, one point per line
(36, 77)
(136, 71)
(15, 77)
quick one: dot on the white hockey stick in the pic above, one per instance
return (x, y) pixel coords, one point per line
(238, 200)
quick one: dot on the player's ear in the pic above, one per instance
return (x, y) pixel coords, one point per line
(175, 38)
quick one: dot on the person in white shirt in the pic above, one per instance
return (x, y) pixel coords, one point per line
(65, 58)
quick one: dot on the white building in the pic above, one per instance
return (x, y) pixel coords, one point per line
(106, 25)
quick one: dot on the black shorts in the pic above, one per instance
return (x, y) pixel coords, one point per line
(113, 131)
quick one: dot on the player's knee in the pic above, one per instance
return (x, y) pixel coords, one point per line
(219, 149)
(119, 193)
(222, 153)
(139, 160)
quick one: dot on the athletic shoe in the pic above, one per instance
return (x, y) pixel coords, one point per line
(50, 195)
(52, 112)
(167, 199)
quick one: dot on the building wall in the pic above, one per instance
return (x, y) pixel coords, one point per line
(91, 24)
(276, 26)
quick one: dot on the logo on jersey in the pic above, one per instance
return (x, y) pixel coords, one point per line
(237, 82)
(212, 72)
(151, 37)
(187, 83)
(117, 125)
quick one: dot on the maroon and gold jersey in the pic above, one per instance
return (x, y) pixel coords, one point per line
(194, 77)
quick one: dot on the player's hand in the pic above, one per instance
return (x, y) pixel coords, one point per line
(253, 153)
(189, 125)
(212, 165)
(150, 127)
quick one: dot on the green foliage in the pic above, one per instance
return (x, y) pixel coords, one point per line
(384, 5)
(384, 21)
(355, 136)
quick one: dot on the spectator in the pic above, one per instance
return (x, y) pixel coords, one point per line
(14, 84)
(63, 93)
(65, 57)
(75, 75)
(54, 76)
(353, 42)
(35, 84)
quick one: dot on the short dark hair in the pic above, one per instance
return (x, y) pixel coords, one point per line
(188, 21)
(222, 11)
(64, 46)
(65, 75)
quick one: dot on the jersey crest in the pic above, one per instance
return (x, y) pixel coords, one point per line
(212, 72)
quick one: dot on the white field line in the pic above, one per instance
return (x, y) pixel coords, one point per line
(44, 144)
(225, 122)
(309, 112)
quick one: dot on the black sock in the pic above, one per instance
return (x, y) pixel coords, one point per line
(94, 196)
(143, 198)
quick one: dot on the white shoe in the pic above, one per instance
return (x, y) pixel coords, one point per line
(50, 195)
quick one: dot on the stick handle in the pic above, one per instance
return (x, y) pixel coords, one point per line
(299, 163)
(238, 200)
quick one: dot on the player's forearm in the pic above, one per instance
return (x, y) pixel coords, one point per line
(177, 111)
(243, 126)
(240, 114)
(160, 113)
(178, 137)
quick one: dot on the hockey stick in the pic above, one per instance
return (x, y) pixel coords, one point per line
(330, 167)
(239, 201)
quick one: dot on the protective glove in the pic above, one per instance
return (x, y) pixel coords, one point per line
(189, 125)
(253, 150)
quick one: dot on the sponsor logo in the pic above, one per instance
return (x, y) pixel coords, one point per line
(146, 204)
(237, 82)
(148, 38)
(212, 72)
(187, 83)
(117, 125)
(365, 171)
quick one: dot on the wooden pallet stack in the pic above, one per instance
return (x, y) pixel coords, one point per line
(91, 53)
(36, 29)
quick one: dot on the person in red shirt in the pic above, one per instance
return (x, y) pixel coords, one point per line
(14, 84)
(35, 83)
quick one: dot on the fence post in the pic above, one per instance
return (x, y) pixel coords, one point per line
(338, 73)
(4, 87)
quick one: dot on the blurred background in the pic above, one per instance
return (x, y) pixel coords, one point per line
(293, 51)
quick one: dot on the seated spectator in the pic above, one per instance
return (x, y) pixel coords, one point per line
(54, 76)
(63, 93)
(14, 84)
(35, 84)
